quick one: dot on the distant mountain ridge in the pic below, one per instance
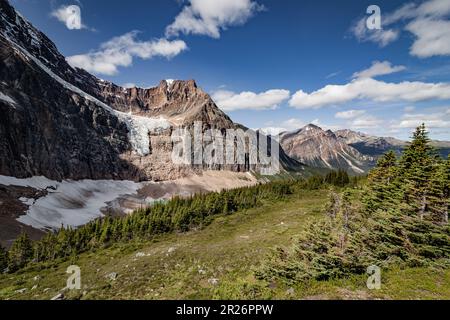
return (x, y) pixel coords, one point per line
(377, 146)
(355, 152)
(319, 148)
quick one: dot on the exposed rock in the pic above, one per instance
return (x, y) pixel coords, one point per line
(323, 149)
(59, 296)
(112, 276)
(290, 292)
(377, 146)
(213, 281)
(65, 123)
(171, 250)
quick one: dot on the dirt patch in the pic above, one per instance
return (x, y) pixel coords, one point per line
(11, 208)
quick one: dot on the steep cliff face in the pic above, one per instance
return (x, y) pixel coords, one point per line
(65, 123)
(319, 148)
(45, 130)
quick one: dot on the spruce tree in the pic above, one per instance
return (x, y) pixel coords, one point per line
(3, 259)
(384, 191)
(21, 252)
(416, 169)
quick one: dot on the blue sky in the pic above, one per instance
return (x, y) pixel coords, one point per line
(272, 64)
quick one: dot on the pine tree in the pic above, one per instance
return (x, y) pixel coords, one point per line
(21, 252)
(3, 259)
(416, 168)
(384, 191)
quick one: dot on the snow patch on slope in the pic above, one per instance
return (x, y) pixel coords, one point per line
(41, 183)
(7, 98)
(68, 203)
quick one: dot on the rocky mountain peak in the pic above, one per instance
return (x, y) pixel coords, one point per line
(64, 123)
(319, 148)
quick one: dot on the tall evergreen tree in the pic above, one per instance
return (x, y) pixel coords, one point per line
(21, 252)
(383, 189)
(3, 259)
(416, 169)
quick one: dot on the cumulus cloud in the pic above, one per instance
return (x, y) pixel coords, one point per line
(432, 37)
(231, 101)
(120, 51)
(286, 125)
(70, 16)
(366, 122)
(209, 17)
(378, 69)
(349, 114)
(370, 89)
(432, 120)
(382, 37)
(428, 22)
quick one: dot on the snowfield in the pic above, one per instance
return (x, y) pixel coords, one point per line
(68, 203)
(75, 203)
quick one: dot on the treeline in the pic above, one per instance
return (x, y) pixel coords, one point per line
(400, 219)
(176, 215)
(338, 178)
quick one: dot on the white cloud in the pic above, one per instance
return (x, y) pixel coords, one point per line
(70, 16)
(230, 101)
(287, 125)
(431, 120)
(366, 122)
(209, 17)
(432, 37)
(349, 114)
(129, 85)
(378, 69)
(120, 51)
(409, 109)
(382, 37)
(370, 89)
(428, 22)
(294, 123)
(272, 131)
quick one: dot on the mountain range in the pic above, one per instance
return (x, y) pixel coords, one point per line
(354, 152)
(64, 123)
(64, 129)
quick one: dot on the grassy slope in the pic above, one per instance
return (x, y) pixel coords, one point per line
(182, 266)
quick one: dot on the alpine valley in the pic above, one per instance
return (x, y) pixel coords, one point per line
(108, 148)
(88, 182)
